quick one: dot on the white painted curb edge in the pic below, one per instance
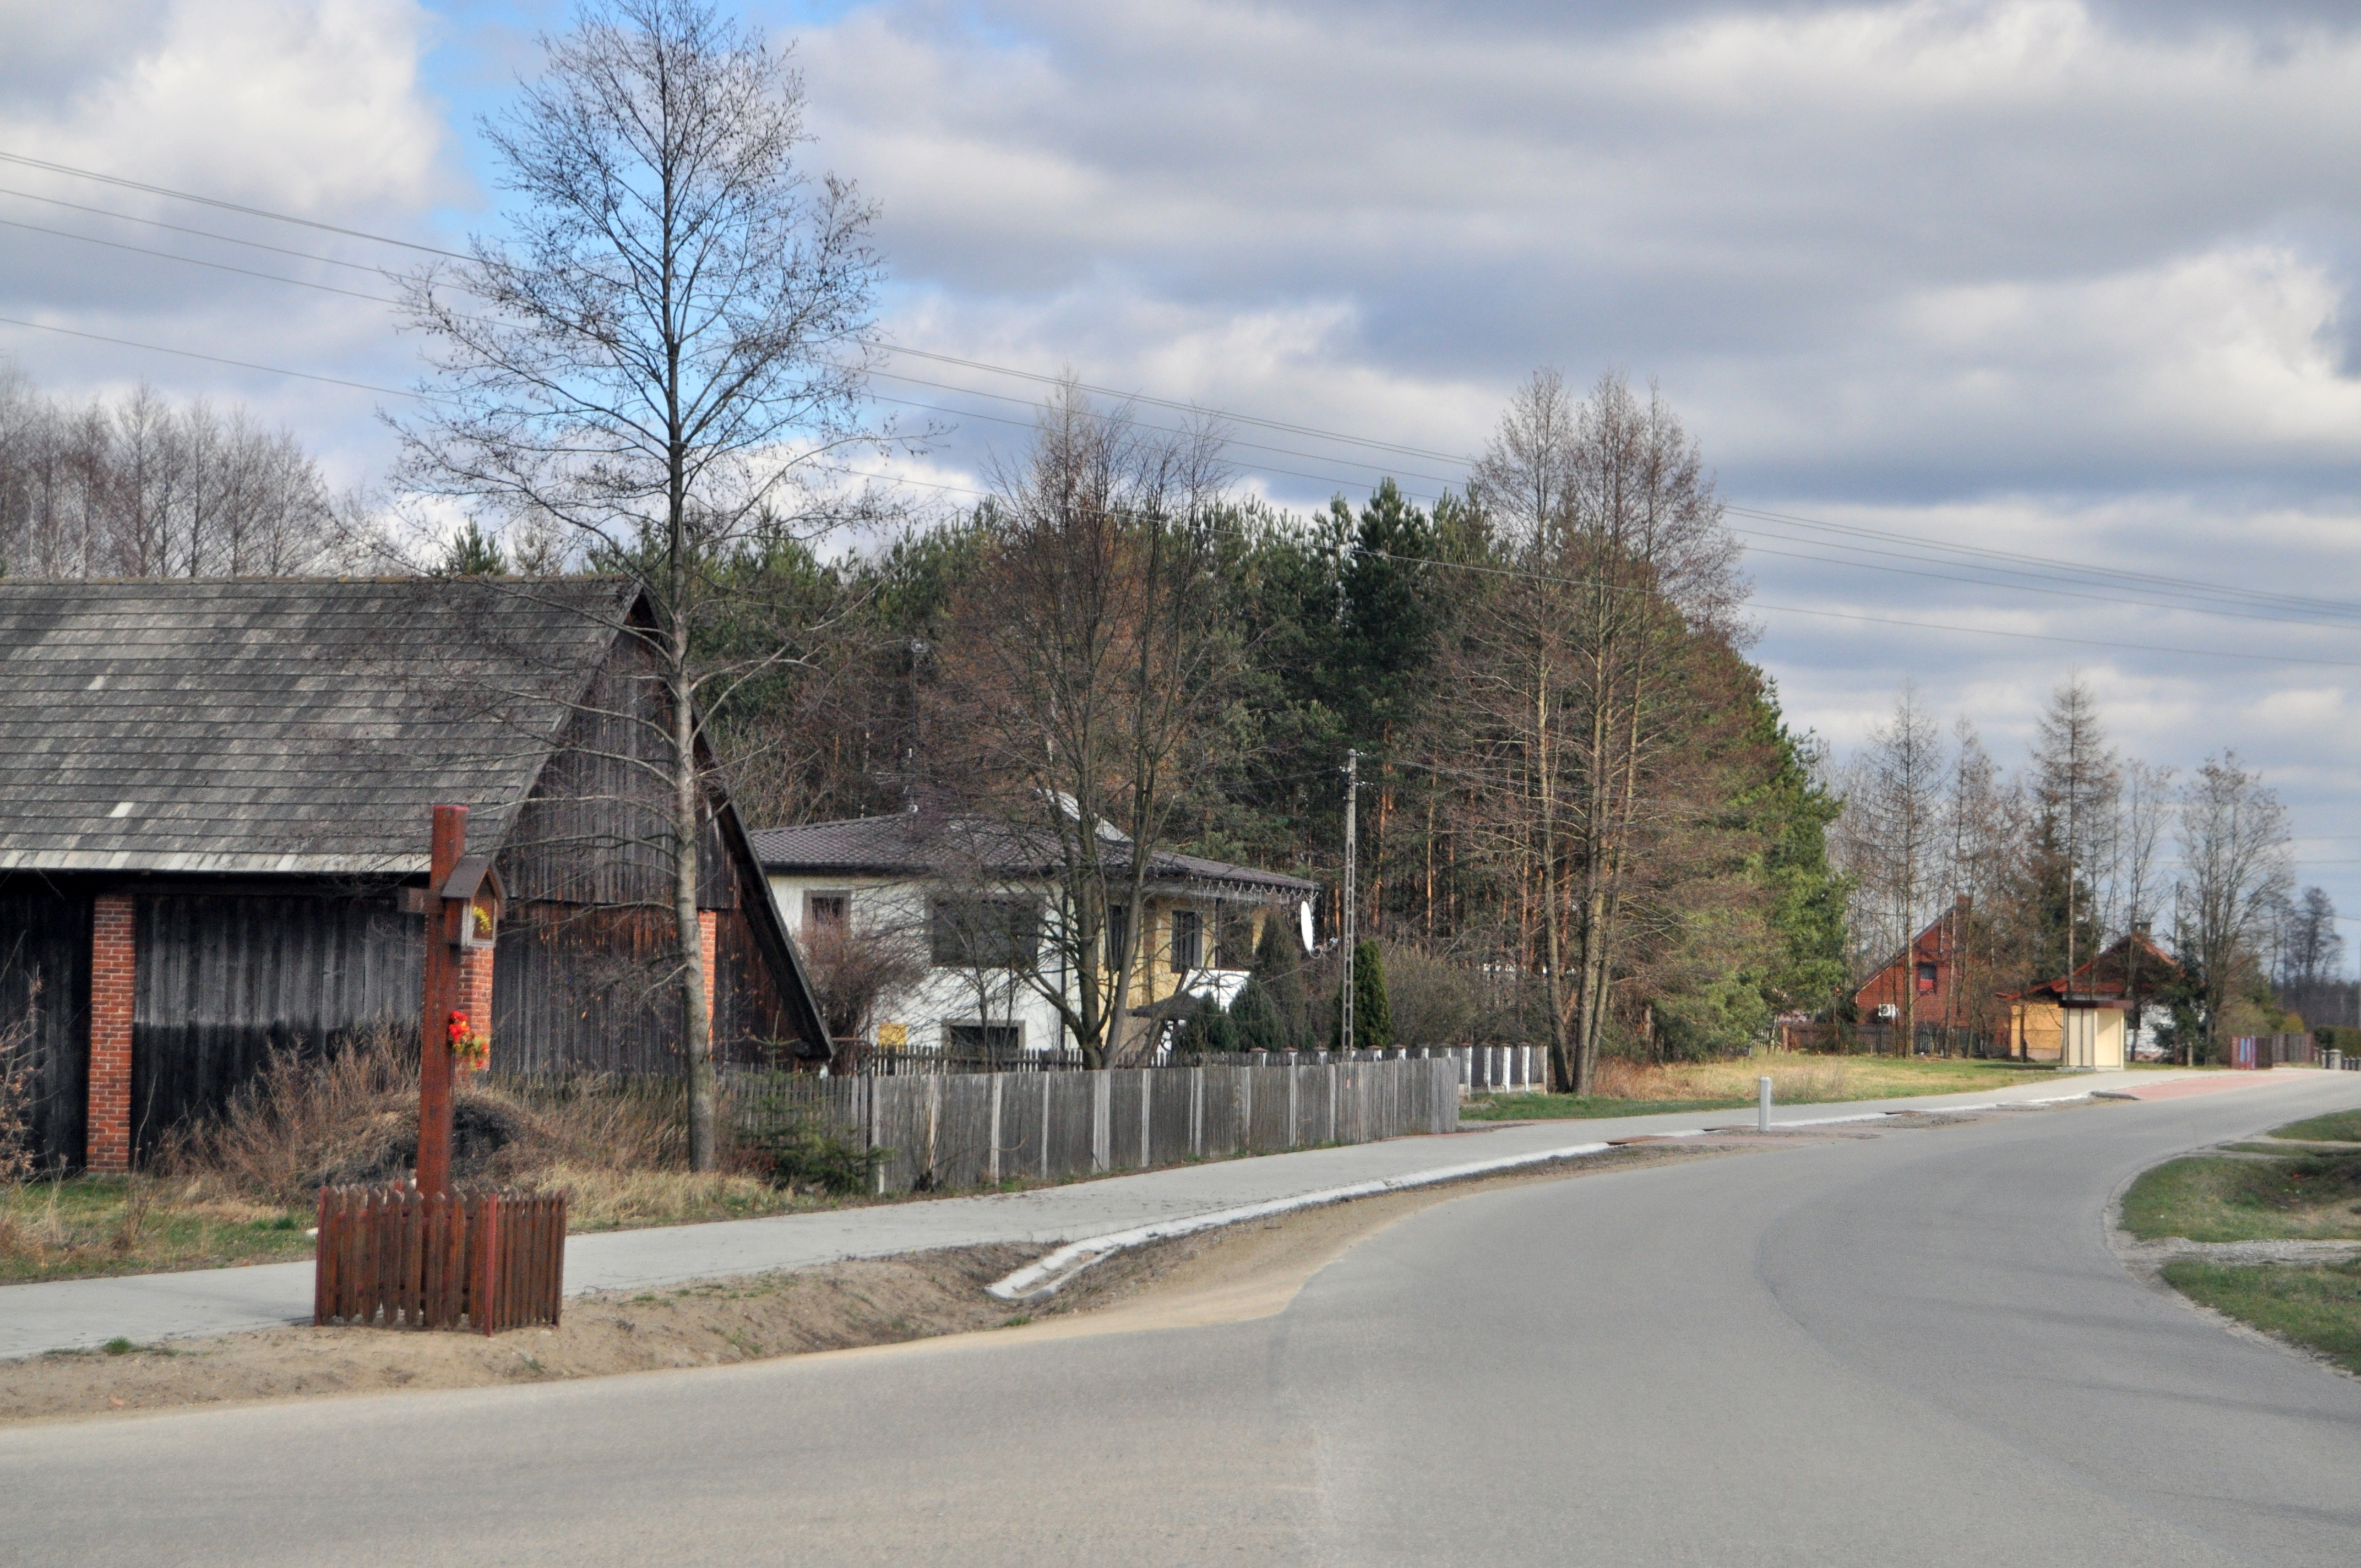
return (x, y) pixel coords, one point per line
(1041, 1279)
(1046, 1275)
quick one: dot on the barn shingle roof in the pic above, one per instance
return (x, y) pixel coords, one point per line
(280, 725)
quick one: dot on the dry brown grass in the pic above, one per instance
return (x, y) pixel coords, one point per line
(618, 1145)
(1800, 1077)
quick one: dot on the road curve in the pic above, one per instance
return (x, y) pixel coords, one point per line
(1910, 1348)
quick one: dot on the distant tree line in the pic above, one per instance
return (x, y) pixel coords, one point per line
(2060, 861)
(1583, 821)
(137, 487)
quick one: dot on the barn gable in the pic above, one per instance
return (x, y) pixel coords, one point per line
(212, 794)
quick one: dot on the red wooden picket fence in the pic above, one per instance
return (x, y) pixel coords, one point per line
(396, 1256)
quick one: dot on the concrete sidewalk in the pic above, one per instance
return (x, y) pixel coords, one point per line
(83, 1313)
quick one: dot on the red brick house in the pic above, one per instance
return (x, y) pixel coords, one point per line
(1923, 982)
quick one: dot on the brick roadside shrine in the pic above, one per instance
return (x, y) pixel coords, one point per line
(461, 904)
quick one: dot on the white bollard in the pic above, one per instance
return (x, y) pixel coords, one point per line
(1761, 1104)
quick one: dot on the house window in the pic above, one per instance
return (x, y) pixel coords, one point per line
(1187, 940)
(826, 911)
(993, 1042)
(1926, 977)
(985, 933)
(1118, 935)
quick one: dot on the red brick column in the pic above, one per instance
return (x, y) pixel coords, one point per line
(708, 931)
(475, 988)
(113, 943)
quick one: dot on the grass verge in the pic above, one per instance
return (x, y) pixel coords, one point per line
(2315, 1306)
(2336, 1127)
(92, 1225)
(2209, 1198)
(1632, 1090)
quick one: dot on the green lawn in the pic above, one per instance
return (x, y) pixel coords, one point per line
(2317, 1306)
(1728, 1086)
(100, 1224)
(2209, 1198)
(2336, 1127)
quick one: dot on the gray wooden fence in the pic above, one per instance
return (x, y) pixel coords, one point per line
(943, 1131)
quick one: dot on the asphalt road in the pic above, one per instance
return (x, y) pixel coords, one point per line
(1913, 1347)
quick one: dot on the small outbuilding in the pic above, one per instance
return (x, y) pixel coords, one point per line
(2085, 1019)
(214, 800)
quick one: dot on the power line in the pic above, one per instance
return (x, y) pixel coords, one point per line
(1884, 620)
(214, 358)
(183, 228)
(1934, 552)
(228, 206)
(198, 261)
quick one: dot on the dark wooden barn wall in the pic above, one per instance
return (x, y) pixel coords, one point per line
(751, 1021)
(224, 980)
(580, 989)
(45, 988)
(597, 828)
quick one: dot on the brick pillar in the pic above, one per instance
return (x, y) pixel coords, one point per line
(113, 943)
(475, 988)
(708, 932)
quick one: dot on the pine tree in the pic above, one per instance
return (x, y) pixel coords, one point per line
(1373, 1017)
(1268, 1013)
(1209, 1028)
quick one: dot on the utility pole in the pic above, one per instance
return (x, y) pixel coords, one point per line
(1351, 808)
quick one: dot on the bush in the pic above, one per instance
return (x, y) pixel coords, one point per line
(305, 1122)
(808, 1158)
(1208, 1028)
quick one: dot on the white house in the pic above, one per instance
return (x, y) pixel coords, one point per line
(971, 895)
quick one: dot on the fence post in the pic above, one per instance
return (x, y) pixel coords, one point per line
(1045, 1124)
(1291, 1072)
(1197, 1113)
(869, 1123)
(1146, 1100)
(1335, 1084)
(1245, 1098)
(934, 1122)
(992, 1143)
(1101, 1112)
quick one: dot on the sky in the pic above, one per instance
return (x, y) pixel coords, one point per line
(1932, 283)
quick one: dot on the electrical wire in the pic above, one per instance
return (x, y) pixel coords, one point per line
(214, 358)
(226, 206)
(373, 271)
(2171, 591)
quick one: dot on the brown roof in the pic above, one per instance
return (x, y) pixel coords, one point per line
(919, 843)
(2108, 976)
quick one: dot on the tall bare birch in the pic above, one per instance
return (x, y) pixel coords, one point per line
(655, 363)
(2235, 869)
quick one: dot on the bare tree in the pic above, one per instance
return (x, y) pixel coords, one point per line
(1900, 838)
(1077, 691)
(1617, 562)
(2136, 882)
(656, 366)
(141, 488)
(2235, 865)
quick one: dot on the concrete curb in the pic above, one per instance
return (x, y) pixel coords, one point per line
(1044, 1278)
(1047, 1276)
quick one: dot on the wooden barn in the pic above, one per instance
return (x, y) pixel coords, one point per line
(214, 796)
